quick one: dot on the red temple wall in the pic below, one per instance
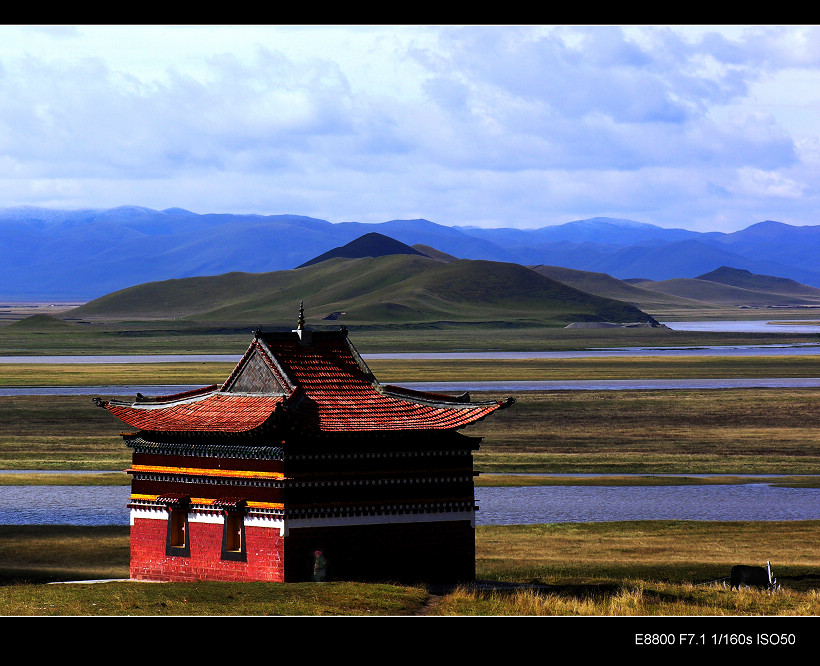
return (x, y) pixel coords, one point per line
(404, 552)
(150, 562)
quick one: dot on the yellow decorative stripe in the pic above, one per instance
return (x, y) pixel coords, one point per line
(148, 498)
(199, 471)
(266, 505)
(208, 502)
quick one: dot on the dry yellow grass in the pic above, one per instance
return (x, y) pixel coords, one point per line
(92, 374)
(661, 568)
(634, 598)
(723, 431)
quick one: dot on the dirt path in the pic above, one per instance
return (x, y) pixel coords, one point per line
(433, 600)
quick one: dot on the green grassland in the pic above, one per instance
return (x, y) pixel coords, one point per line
(636, 568)
(731, 431)
(397, 371)
(403, 289)
(406, 303)
(640, 568)
(46, 335)
(727, 431)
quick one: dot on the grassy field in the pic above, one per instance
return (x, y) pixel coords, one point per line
(59, 433)
(564, 369)
(731, 431)
(430, 370)
(636, 568)
(229, 338)
(640, 568)
(726, 431)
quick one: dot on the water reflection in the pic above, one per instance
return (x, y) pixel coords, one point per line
(750, 326)
(572, 504)
(107, 505)
(617, 384)
(801, 349)
(458, 387)
(64, 505)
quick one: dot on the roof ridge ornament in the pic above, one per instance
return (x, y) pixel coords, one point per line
(300, 330)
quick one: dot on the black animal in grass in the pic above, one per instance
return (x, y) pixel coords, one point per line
(760, 577)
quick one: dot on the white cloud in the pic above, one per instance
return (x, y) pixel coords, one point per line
(765, 184)
(524, 125)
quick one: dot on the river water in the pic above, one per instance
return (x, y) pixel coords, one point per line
(572, 504)
(489, 386)
(750, 326)
(753, 326)
(107, 505)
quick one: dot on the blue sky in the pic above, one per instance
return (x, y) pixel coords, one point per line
(707, 128)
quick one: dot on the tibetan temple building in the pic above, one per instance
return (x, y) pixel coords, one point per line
(301, 466)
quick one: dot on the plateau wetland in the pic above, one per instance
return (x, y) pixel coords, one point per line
(604, 401)
(637, 491)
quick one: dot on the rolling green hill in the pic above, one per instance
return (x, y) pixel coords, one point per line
(744, 279)
(719, 293)
(607, 286)
(41, 322)
(385, 290)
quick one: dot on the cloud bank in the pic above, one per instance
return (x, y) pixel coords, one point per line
(702, 128)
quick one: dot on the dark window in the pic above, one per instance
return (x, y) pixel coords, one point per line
(233, 532)
(178, 542)
(233, 535)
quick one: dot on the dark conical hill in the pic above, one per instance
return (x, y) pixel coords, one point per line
(370, 245)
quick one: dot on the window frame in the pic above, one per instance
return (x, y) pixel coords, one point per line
(178, 525)
(233, 528)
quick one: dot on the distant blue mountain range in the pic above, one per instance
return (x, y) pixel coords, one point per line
(83, 254)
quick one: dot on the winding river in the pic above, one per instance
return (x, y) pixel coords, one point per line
(106, 505)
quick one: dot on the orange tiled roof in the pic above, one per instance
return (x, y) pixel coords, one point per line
(344, 396)
(213, 412)
(337, 393)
